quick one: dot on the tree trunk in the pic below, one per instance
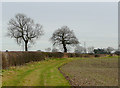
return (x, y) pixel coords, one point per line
(26, 48)
(65, 49)
(64, 44)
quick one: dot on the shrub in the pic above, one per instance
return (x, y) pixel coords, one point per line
(96, 55)
(20, 58)
(53, 54)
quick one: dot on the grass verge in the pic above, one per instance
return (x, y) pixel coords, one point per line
(43, 73)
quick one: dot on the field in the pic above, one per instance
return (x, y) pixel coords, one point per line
(92, 72)
(80, 71)
(42, 73)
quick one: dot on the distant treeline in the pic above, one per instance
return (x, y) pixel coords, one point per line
(16, 58)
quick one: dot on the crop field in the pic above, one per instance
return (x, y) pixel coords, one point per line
(64, 72)
(92, 72)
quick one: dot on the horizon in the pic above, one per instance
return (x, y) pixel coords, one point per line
(98, 29)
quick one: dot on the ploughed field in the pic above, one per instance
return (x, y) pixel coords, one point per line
(92, 72)
(64, 72)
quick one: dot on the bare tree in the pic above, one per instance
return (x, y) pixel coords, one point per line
(55, 50)
(23, 29)
(64, 36)
(48, 49)
(79, 49)
(110, 49)
(90, 49)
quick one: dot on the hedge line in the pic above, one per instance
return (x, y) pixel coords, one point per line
(19, 58)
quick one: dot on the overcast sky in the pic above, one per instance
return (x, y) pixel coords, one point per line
(93, 23)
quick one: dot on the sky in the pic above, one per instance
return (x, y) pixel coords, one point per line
(95, 23)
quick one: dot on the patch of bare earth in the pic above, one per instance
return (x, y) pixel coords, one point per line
(91, 72)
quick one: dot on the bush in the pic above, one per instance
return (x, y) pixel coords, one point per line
(53, 54)
(96, 55)
(20, 58)
(70, 54)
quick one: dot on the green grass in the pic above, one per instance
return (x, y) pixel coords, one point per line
(43, 73)
(46, 73)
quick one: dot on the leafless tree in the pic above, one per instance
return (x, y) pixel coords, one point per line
(90, 49)
(64, 36)
(48, 49)
(110, 49)
(55, 50)
(23, 29)
(79, 49)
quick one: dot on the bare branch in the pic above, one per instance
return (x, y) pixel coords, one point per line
(23, 28)
(64, 36)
